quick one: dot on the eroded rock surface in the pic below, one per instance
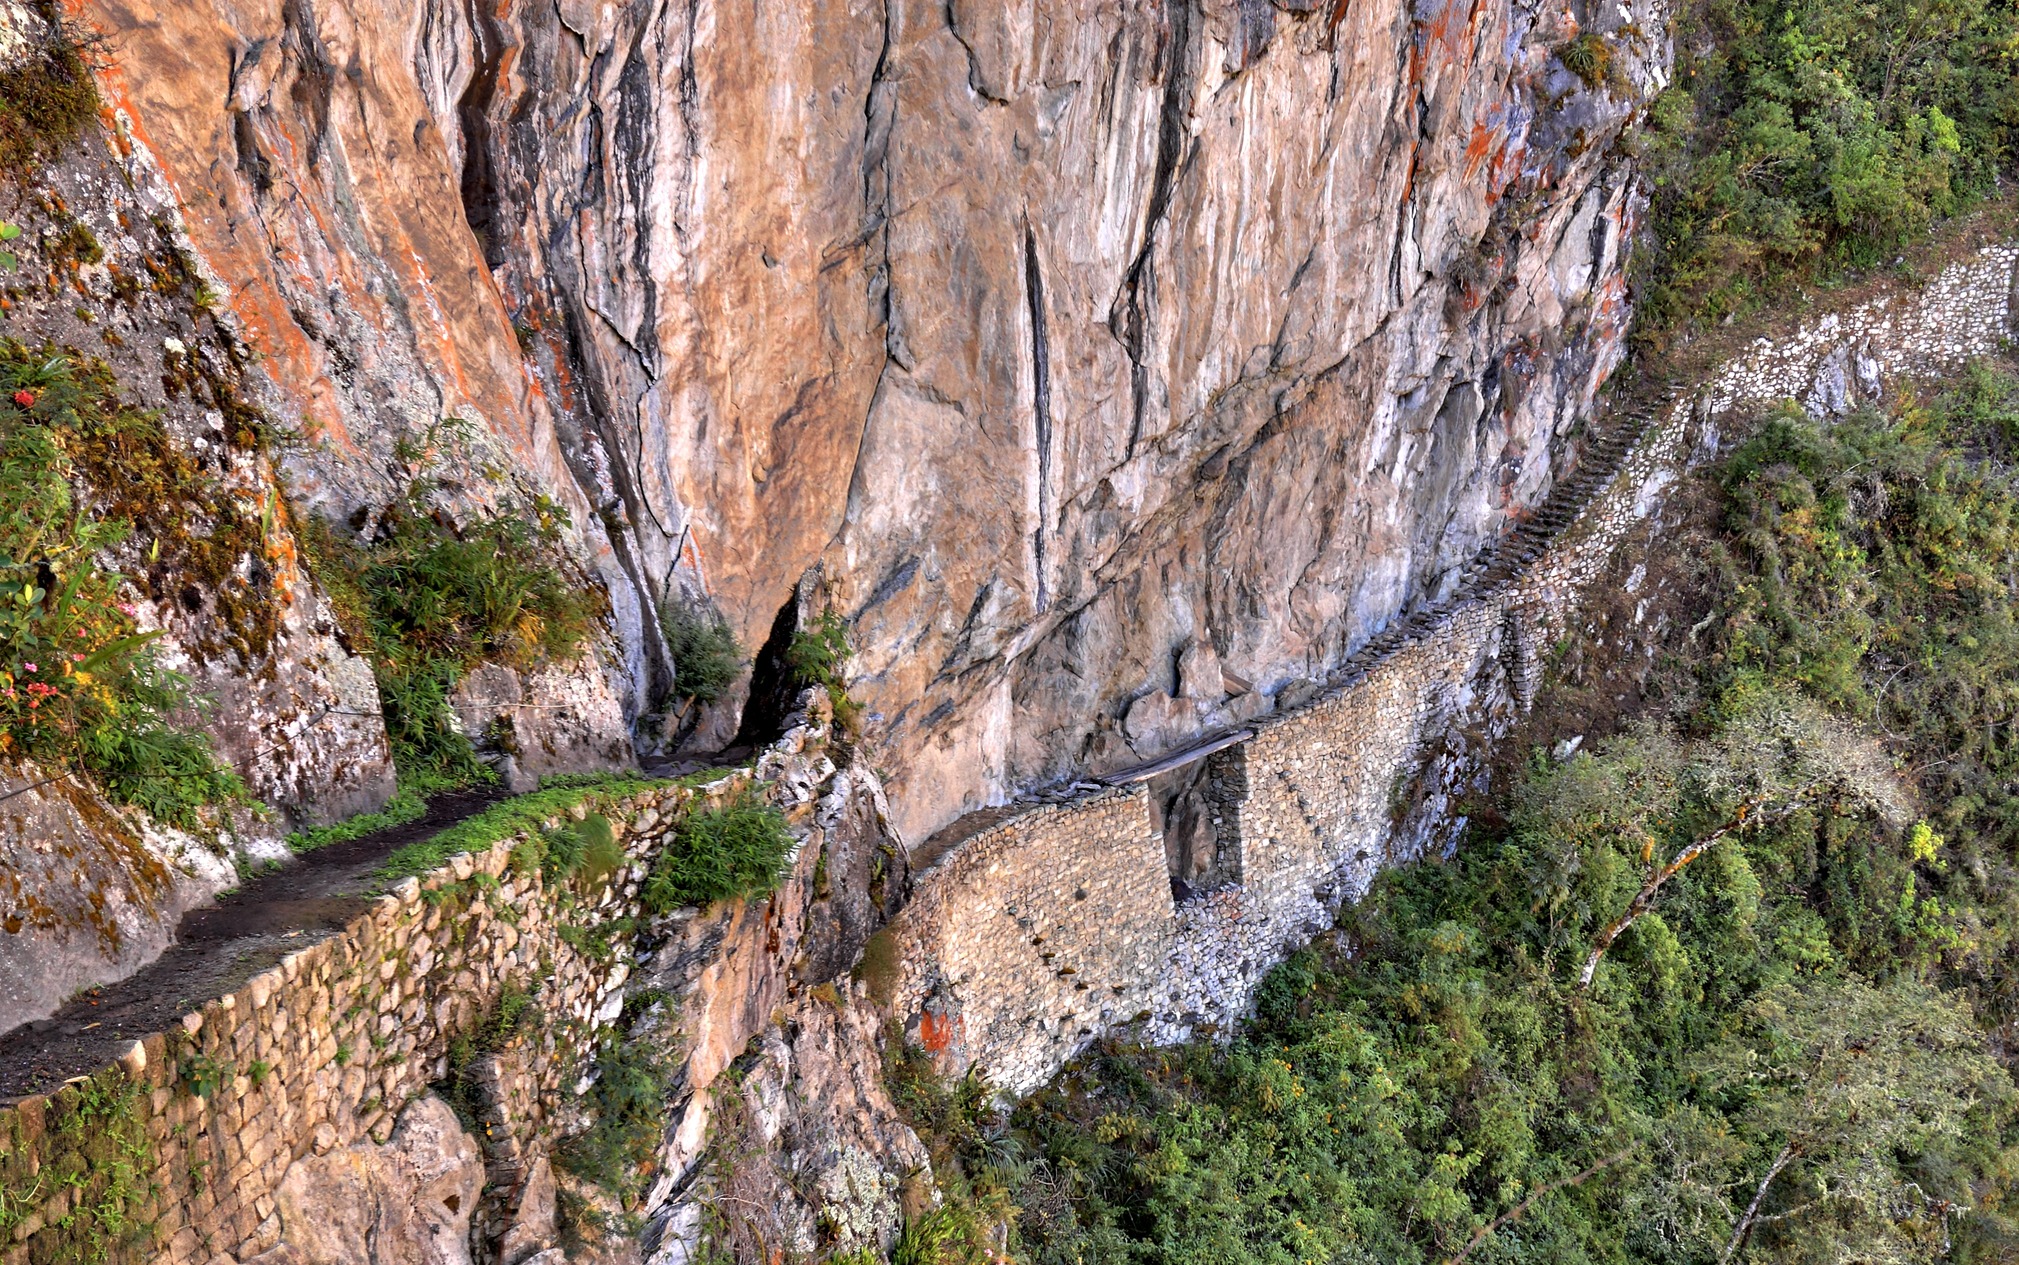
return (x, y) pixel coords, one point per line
(89, 894)
(809, 1144)
(1122, 365)
(565, 718)
(405, 1202)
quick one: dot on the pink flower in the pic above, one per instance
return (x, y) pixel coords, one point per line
(29, 667)
(75, 657)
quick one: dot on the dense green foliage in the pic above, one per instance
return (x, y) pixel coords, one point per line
(1803, 139)
(637, 1075)
(706, 655)
(428, 600)
(1786, 1052)
(619, 1152)
(737, 849)
(80, 686)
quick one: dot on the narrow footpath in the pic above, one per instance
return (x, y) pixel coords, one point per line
(217, 949)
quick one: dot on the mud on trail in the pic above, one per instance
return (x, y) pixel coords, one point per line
(217, 949)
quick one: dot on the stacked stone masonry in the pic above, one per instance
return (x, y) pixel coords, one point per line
(329, 1046)
(1045, 925)
(1306, 811)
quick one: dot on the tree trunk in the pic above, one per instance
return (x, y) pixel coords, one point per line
(1781, 1161)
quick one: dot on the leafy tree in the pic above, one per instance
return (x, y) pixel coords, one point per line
(1845, 1090)
(1668, 801)
(1800, 139)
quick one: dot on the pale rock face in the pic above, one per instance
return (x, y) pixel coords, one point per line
(1065, 335)
(531, 1234)
(826, 1151)
(87, 894)
(564, 718)
(407, 1202)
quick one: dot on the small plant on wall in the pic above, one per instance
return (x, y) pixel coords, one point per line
(736, 850)
(428, 599)
(80, 685)
(818, 655)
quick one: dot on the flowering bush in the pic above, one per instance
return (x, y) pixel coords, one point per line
(80, 686)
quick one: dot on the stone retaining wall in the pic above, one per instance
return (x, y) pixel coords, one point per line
(1042, 928)
(1308, 809)
(324, 1050)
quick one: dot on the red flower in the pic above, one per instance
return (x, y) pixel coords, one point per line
(26, 399)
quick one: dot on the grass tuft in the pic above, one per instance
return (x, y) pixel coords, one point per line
(47, 97)
(736, 850)
(523, 814)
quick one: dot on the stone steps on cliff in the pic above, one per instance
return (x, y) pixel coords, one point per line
(1499, 565)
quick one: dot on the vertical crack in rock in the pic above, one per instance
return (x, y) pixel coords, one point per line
(597, 445)
(1601, 232)
(1041, 407)
(634, 134)
(1418, 143)
(879, 113)
(479, 180)
(313, 87)
(1128, 320)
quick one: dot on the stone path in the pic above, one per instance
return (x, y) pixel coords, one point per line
(218, 948)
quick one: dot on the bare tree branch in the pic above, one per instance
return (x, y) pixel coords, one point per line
(1748, 813)
(1745, 1225)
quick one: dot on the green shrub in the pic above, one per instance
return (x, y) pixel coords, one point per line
(428, 600)
(514, 1013)
(601, 856)
(736, 850)
(203, 1076)
(976, 1163)
(818, 655)
(879, 967)
(706, 655)
(79, 684)
(619, 1152)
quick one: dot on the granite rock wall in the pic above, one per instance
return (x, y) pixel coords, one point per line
(1317, 799)
(1118, 363)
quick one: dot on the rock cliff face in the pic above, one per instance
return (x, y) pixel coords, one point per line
(1120, 365)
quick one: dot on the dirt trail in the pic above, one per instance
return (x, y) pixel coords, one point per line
(217, 949)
